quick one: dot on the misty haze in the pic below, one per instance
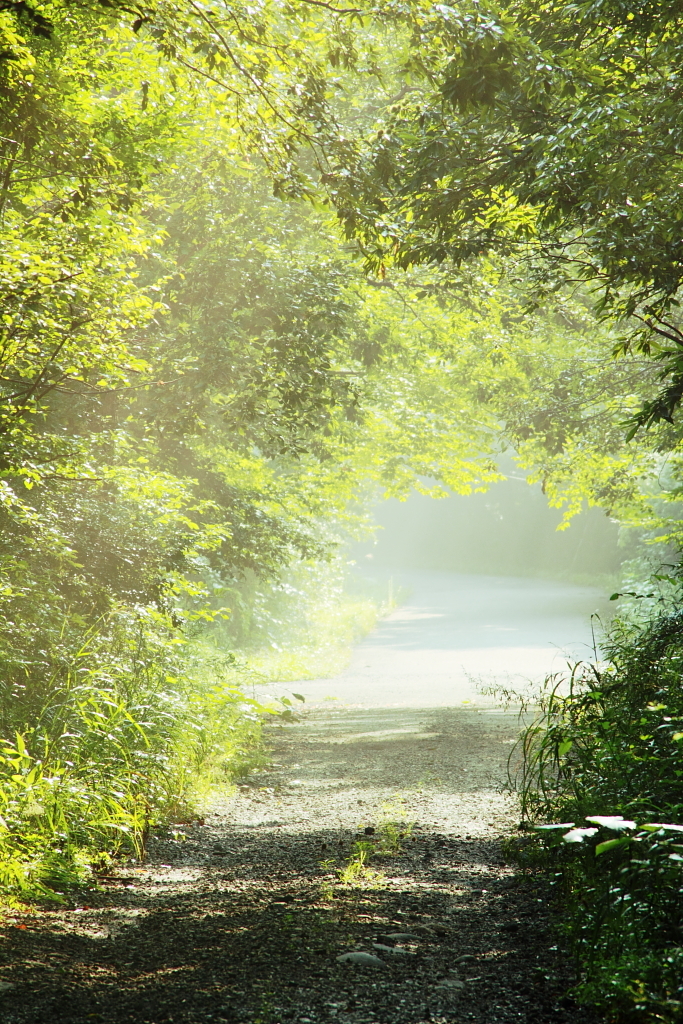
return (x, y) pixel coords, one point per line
(490, 593)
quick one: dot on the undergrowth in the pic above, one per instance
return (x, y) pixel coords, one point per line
(134, 721)
(601, 779)
(125, 733)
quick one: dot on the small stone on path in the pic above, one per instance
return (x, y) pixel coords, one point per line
(392, 949)
(366, 959)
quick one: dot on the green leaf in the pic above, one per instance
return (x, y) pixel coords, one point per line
(611, 844)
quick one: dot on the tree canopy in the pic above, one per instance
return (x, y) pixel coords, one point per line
(550, 133)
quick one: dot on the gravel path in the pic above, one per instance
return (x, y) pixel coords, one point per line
(456, 633)
(243, 917)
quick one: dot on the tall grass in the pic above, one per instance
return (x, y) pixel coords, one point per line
(110, 729)
(120, 736)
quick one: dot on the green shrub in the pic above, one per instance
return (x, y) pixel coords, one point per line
(605, 758)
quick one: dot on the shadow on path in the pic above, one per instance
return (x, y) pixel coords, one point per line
(255, 940)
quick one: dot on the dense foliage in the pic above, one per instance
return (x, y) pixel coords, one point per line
(548, 131)
(126, 521)
(203, 382)
(605, 760)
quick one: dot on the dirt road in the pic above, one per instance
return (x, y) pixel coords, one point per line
(378, 830)
(456, 633)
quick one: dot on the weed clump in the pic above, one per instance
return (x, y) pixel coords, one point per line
(385, 839)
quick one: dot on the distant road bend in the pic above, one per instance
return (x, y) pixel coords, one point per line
(456, 633)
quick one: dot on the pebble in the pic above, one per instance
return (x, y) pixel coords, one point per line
(391, 949)
(367, 959)
(403, 937)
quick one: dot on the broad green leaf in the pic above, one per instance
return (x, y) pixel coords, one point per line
(611, 844)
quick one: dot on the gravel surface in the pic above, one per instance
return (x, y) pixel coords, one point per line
(242, 917)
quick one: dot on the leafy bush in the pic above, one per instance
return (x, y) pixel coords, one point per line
(110, 728)
(605, 758)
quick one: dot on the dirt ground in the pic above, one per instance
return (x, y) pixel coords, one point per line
(242, 917)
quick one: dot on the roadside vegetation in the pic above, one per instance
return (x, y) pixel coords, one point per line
(139, 722)
(601, 789)
(261, 265)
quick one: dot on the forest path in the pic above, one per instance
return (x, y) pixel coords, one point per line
(455, 633)
(242, 918)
